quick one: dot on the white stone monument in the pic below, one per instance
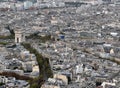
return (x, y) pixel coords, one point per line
(19, 36)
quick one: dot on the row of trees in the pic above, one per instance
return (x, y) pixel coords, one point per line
(7, 37)
(115, 60)
(17, 76)
(44, 67)
(12, 34)
(3, 43)
(36, 36)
